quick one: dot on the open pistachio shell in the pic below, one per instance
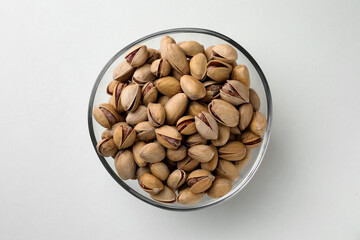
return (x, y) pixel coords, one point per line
(224, 112)
(168, 136)
(137, 55)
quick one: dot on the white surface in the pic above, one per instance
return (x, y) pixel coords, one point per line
(52, 186)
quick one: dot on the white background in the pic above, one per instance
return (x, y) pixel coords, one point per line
(52, 185)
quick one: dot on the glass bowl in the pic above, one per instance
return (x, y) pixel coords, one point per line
(206, 38)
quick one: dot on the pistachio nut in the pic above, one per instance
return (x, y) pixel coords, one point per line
(219, 187)
(224, 112)
(206, 125)
(152, 55)
(188, 164)
(116, 96)
(241, 74)
(254, 99)
(150, 183)
(191, 48)
(160, 67)
(211, 165)
(110, 87)
(224, 52)
(130, 97)
(235, 92)
(118, 124)
(141, 170)
(218, 71)
(160, 170)
(196, 107)
(149, 93)
(198, 66)
(145, 131)
(186, 125)
(164, 42)
(187, 197)
(209, 53)
(139, 115)
(169, 86)
(212, 91)
(241, 164)
(156, 114)
(165, 196)
(195, 139)
(201, 153)
(143, 75)
(106, 147)
(136, 148)
(105, 115)
(199, 180)
(235, 130)
(192, 87)
(176, 155)
(176, 57)
(107, 134)
(246, 114)
(176, 179)
(223, 137)
(123, 71)
(176, 74)
(175, 108)
(227, 170)
(168, 136)
(232, 151)
(258, 123)
(125, 165)
(152, 152)
(163, 100)
(124, 136)
(171, 164)
(137, 55)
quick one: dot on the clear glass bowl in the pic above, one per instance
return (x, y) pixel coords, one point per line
(206, 38)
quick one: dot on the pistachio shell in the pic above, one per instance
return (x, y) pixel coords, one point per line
(200, 180)
(201, 153)
(186, 125)
(241, 74)
(176, 179)
(186, 197)
(156, 114)
(168, 136)
(168, 86)
(152, 55)
(160, 170)
(150, 183)
(149, 93)
(227, 170)
(224, 112)
(198, 66)
(250, 140)
(225, 53)
(246, 114)
(206, 125)
(130, 97)
(107, 134)
(125, 164)
(139, 115)
(123, 71)
(232, 151)
(160, 67)
(235, 92)
(143, 75)
(116, 96)
(188, 164)
(192, 87)
(152, 152)
(175, 108)
(176, 57)
(137, 55)
(211, 165)
(212, 91)
(145, 131)
(241, 164)
(209, 53)
(105, 115)
(164, 42)
(235, 130)
(163, 100)
(141, 170)
(165, 196)
(195, 139)
(219, 187)
(218, 71)
(106, 147)
(110, 87)
(136, 148)
(191, 48)
(196, 107)
(223, 137)
(124, 137)
(254, 99)
(258, 124)
(176, 154)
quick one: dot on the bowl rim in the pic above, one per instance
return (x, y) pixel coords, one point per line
(266, 136)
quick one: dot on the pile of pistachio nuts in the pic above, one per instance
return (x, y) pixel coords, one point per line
(181, 120)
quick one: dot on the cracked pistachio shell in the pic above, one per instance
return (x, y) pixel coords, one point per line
(107, 134)
(160, 67)
(125, 165)
(196, 107)
(152, 55)
(235, 130)
(195, 139)
(232, 151)
(241, 164)
(176, 179)
(223, 137)
(201, 153)
(191, 48)
(186, 125)
(156, 114)
(106, 147)
(124, 136)
(176, 57)
(149, 93)
(206, 125)
(241, 74)
(219, 187)
(150, 183)
(105, 115)
(123, 71)
(152, 152)
(165, 196)
(176, 155)
(163, 100)
(175, 108)
(130, 97)
(188, 164)
(136, 148)
(224, 112)
(212, 91)
(258, 124)
(225, 53)
(227, 170)
(116, 97)
(199, 180)
(143, 75)
(169, 86)
(254, 99)
(137, 55)
(246, 113)
(198, 65)
(186, 197)
(235, 92)
(218, 71)
(192, 87)
(141, 170)
(110, 87)
(145, 131)
(168, 136)
(139, 115)
(211, 165)
(160, 170)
